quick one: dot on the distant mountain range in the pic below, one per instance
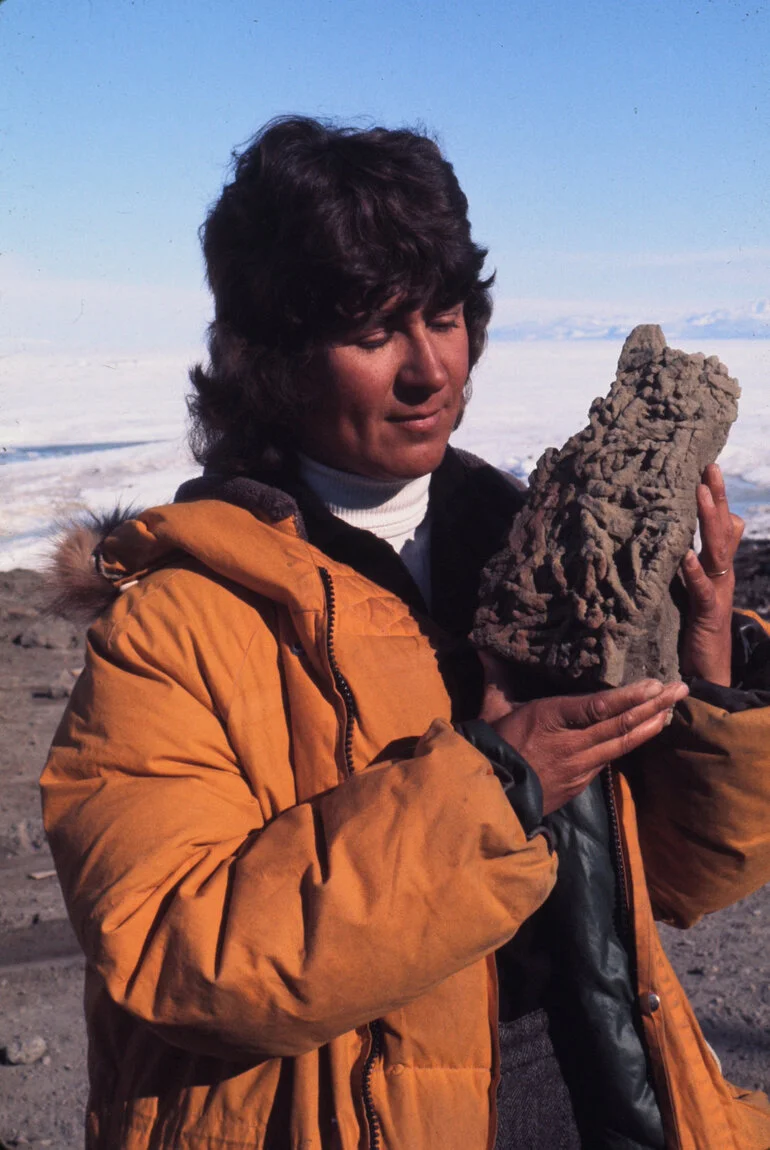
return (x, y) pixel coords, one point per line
(750, 322)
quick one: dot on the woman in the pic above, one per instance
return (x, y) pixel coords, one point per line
(289, 871)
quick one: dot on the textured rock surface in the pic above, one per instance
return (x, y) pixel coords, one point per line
(582, 593)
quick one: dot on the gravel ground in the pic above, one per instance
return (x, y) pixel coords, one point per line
(724, 961)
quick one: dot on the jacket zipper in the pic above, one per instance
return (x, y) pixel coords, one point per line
(342, 685)
(340, 681)
(494, 1025)
(372, 1119)
(623, 923)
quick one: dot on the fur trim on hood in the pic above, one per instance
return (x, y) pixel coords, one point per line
(82, 582)
(86, 574)
(80, 591)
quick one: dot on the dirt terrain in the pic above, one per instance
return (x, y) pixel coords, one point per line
(724, 961)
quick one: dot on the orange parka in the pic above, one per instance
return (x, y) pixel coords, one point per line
(269, 835)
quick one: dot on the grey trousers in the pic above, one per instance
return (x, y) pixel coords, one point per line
(534, 1111)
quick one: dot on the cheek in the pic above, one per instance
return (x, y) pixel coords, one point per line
(461, 370)
(461, 354)
(360, 390)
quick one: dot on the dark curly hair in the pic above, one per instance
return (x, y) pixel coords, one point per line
(319, 228)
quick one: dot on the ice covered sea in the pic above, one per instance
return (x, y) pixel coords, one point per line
(87, 432)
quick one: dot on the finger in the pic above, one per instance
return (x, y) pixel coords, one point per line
(715, 528)
(739, 526)
(629, 731)
(498, 697)
(631, 740)
(587, 710)
(495, 703)
(721, 531)
(699, 587)
(713, 479)
(608, 732)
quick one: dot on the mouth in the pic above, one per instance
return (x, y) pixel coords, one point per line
(418, 420)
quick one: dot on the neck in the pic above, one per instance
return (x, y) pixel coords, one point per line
(395, 510)
(377, 505)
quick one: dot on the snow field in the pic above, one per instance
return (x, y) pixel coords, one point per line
(80, 433)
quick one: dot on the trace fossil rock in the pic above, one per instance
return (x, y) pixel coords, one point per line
(583, 591)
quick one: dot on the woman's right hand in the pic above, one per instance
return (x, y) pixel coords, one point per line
(568, 739)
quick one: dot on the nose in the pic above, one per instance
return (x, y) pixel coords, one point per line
(422, 369)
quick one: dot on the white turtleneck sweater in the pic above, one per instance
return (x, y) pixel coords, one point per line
(395, 510)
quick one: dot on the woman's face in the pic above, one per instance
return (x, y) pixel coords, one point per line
(391, 395)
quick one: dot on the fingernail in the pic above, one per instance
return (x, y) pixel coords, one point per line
(681, 692)
(691, 559)
(652, 689)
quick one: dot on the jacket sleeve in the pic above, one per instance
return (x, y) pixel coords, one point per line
(236, 933)
(702, 793)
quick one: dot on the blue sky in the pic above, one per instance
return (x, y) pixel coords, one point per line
(616, 153)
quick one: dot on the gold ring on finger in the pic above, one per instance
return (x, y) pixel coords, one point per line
(718, 574)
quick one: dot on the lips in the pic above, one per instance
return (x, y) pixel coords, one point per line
(418, 419)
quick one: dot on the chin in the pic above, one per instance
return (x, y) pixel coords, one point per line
(414, 466)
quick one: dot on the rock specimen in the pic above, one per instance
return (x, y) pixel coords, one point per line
(582, 594)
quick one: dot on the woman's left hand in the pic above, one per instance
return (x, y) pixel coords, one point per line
(710, 582)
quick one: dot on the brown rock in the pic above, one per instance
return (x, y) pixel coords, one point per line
(53, 633)
(60, 687)
(26, 836)
(24, 1051)
(583, 591)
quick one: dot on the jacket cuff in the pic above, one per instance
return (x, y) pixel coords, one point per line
(750, 654)
(515, 775)
(750, 670)
(730, 699)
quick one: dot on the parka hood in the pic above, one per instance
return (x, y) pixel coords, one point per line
(212, 519)
(78, 589)
(227, 523)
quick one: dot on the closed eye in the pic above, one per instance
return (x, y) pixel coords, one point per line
(374, 338)
(446, 320)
